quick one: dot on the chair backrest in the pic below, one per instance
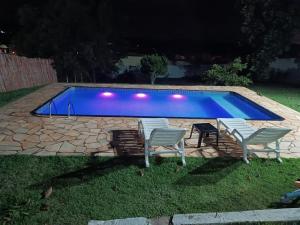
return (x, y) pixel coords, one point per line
(166, 136)
(152, 123)
(267, 135)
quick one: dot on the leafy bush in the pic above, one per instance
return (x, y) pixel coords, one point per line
(230, 75)
(154, 65)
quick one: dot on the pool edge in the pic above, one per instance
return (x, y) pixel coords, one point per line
(67, 87)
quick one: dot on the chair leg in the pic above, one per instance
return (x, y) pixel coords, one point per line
(183, 159)
(277, 151)
(200, 139)
(218, 126)
(176, 147)
(147, 164)
(181, 149)
(245, 153)
(191, 132)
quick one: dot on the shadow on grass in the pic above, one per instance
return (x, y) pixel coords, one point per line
(94, 168)
(129, 151)
(16, 209)
(210, 172)
(279, 205)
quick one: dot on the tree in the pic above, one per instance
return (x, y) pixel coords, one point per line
(79, 35)
(267, 30)
(229, 75)
(154, 65)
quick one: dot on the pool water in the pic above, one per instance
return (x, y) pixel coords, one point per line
(127, 102)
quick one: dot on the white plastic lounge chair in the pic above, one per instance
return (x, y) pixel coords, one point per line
(248, 135)
(146, 125)
(156, 132)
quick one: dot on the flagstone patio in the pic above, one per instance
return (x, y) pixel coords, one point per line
(23, 133)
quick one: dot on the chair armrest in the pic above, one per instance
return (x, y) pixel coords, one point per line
(237, 132)
(140, 128)
(181, 143)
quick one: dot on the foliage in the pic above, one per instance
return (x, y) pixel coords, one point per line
(79, 36)
(107, 188)
(267, 30)
(229, 75)
(154, 65)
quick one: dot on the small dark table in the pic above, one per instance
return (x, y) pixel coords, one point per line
(204, 128)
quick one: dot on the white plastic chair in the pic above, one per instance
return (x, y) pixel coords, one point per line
(246, 134)
(146, 125)
(156, 132)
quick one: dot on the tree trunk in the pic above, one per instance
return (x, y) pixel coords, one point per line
(94, 76)
(153, 77)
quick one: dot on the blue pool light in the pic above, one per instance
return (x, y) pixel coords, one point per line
(140, 95)
(107, 94)
(177, 96)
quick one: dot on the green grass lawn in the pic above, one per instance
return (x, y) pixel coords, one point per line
(14, 95)
(288, 96)
(109, 188)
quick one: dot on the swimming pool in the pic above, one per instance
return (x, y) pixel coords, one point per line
(168, 103)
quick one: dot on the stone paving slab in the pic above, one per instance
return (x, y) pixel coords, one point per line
(23, 133)
(268, 215)
(128, 221)
(164, 220)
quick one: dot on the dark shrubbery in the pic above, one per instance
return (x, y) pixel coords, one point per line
(154, 65)
(230, 74)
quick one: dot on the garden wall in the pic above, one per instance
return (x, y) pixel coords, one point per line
(20, 72)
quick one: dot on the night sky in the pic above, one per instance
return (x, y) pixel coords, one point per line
(9, 13)
(214, 21)
(183, 19)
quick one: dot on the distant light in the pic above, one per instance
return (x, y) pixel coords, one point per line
(107, 94)
(177, 96)
(141, 95)
(2, 32)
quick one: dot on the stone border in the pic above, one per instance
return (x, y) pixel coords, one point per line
(128, 221)
(252, 216)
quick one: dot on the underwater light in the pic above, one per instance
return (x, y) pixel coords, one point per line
(177, 96)
(107, 94)
(141, 95)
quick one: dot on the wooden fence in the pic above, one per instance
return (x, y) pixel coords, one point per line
(20, 72)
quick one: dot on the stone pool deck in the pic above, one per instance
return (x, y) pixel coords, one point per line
(23, 133)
